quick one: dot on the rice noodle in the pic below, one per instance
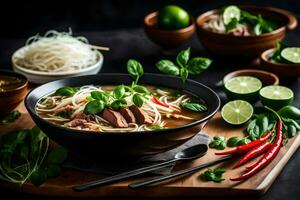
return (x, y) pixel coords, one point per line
(70, 111)
(216, 24)
(58, 52)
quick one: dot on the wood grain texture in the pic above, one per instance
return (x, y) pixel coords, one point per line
(188, 186)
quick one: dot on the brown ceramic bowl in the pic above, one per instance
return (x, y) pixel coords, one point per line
(10, 99)
(266, 78)
(248, 46)
(165, 38)
(281, 69)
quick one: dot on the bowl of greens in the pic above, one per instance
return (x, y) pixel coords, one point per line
(243, 30)
(283, 60)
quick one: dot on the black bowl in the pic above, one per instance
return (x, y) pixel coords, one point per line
(129, 144)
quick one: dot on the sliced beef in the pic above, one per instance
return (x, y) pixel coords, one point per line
(75, 123)
(128, 115)
(82, 115)
(141, 116)
(115, 118)
(67, 108)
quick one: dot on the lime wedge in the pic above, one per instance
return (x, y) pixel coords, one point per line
(291, 54)
(237, 112)
(275, 96)
(231, 12)
(243, 87)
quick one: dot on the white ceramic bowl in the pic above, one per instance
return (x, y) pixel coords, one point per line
(43, 77)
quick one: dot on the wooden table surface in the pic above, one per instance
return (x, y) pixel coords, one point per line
(134, 44)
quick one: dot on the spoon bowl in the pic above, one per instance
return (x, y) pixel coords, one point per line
(192, 152)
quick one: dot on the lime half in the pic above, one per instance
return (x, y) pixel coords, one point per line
(243, 87)
(275, 96)
(231, 12)
(291, 54)
(237, 112)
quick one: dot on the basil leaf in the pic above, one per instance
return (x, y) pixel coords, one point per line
(196, 107)
(135, 69)
(183, 57)
(11, 117)
(263, 122)
(231, 25)
(57, 156)
(66, 91)
(120, 103)
(233, 141)
(141, 89)
(138, 100)
(198, 64)
(248, 17)
(214, 175)
(243, 141)
(100, 96)
(94, 107)
(184, 73)
(218, 142)
(119, 92)
(167, 67)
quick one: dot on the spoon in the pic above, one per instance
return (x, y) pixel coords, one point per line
(189, 153)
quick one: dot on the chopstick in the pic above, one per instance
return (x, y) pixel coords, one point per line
(178, 173)
(122, 176)
(99, 47)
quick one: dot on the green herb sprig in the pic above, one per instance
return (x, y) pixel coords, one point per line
(185, 65)
(11, 117)
(215, 175)
(218, 142)
(259, 24)
(24, 155)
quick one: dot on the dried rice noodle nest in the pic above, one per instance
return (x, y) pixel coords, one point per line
(58, 52)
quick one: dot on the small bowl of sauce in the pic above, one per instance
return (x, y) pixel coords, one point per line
(13, 89)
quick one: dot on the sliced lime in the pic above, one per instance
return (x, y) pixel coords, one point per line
(243, 87)
(237, 112)
(291, 54)
(231, 12)
(275, 96)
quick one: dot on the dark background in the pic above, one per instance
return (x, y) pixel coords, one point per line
(118, 24)
(24, 18)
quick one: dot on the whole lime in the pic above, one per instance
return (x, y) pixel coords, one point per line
(173, 17)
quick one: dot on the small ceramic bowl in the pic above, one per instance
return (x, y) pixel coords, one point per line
(10, 99)
(39, 77)
(265, 77)
(247, 46)
(283, 70)
(165, 38)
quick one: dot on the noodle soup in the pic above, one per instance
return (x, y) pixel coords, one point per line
(120, 108)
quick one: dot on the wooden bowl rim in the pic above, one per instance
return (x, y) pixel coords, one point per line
(271, 9)
(265, 58)
(257, 71)
(154, 14)
(21, 87)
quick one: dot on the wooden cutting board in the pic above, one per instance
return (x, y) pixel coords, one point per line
(191, 185)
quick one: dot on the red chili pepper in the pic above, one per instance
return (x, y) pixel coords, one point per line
(267, 158)
(253, 153)
(246, 147)
(158, 102)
